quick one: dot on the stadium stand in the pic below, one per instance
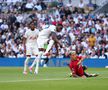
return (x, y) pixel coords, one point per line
(79, 27)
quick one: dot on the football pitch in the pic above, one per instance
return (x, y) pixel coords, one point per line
(51, 78)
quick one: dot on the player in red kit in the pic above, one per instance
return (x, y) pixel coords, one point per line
(77, 70)
(75, 65)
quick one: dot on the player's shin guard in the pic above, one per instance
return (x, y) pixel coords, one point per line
(34, 62)
(51, 42)
(26, 64)
(31, 67)
(37, 63)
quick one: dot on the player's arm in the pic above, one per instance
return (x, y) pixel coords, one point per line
(24, 41)
(24, 44)
(54, 37)
(56, 46)
(80, 60)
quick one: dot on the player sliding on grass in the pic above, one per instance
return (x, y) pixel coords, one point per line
(77, 70)
(30, 45)
(48, 36)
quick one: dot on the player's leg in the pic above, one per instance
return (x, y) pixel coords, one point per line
(46, 61)
(87, 74)
(80, 71)
(37, 59)
(26, 64)
(51, 42)
(36, 52)
(43, 59)
(90, 75)
(85, 68)
(37, 62)
(28, 55)
(31, 67)
(33, 64)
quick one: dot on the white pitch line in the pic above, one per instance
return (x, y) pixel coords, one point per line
(53, 79)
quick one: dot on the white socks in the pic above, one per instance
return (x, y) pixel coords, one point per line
(26, 63)
(37, 62)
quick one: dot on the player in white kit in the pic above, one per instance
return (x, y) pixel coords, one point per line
(30, 46)
(48, 35)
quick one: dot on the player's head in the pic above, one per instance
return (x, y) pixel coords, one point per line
(59, 27)
(32, 26)
(73, 55)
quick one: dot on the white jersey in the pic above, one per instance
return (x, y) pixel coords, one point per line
(45, 34)
(31, 37)
(47, 29)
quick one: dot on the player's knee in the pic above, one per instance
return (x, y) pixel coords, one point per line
(85, 67)
(26, 61)
(37, 60)
(51, 42)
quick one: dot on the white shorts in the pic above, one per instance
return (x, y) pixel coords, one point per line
(41, 42)
(32, 50)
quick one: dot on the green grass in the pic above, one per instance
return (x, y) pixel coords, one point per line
(11, 78)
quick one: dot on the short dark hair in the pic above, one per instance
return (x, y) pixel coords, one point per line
(59, 25)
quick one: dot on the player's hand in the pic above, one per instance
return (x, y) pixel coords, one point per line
(74, 75)
(84, 57)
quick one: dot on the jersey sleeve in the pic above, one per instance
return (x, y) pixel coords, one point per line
(52, 28)
(37, 32)
(26, 34)
(79, 57)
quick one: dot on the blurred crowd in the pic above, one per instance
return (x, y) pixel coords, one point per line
(85, 33)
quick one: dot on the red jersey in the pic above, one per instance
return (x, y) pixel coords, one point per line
(76, 69)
